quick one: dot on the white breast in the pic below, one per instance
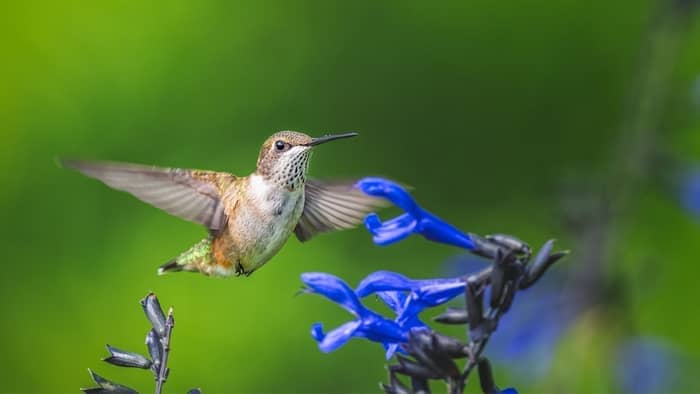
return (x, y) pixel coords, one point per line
(270, 219)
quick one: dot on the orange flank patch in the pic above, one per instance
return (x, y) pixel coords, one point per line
(219, 248)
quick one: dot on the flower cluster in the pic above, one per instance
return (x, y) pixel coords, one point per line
(424, 354)
(406, 297)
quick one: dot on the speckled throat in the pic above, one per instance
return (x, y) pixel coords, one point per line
(287, 171)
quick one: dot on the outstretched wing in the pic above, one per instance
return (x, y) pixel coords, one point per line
(193, 195)
(330, 206)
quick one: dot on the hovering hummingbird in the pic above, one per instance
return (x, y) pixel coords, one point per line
(249, 218)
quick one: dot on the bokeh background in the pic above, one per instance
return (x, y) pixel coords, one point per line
(576, 120)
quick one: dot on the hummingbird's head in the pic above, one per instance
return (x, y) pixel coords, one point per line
(284, 157)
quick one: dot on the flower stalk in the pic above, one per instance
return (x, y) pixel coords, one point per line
(158, 341)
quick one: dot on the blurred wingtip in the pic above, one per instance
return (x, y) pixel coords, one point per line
(59, 162)
(73, 164)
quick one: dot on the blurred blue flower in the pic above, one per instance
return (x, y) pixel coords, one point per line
(646, 365)
(690, 191)
(529, 332)
(368, 324)
(414, 220)
(509, 390)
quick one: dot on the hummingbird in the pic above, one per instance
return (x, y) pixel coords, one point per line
(249, 218)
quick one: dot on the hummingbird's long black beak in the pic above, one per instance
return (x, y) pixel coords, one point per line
(326, 138)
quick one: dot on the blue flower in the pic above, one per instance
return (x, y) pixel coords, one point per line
(414, 220)
(368, 324)
(422, 294)
(408, 297)
(690, 191)
(397, 302)
(646, 365)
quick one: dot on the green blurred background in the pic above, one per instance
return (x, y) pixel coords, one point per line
(496, 112)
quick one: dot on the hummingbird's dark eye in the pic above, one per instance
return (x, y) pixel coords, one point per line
(280, 145)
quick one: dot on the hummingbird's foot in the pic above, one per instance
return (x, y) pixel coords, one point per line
(240, 270)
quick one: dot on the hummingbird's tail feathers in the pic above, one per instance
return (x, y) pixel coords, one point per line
(195, 259)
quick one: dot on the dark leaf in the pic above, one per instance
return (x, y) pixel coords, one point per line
(508, 296)
(423, 347)
(483, 247)
(543, 253)
(154, 313)
(420, 385)
(475, 308)
(488, 385)
(123, 358)
(535, 271)
(155, 349)
(107, 386)
(510, 243)
(395, 386)
(452, 316)
(498, 279)
(413, 369)
(453, 347)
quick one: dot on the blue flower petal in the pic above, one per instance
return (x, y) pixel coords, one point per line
(437, 230)
(415, 220)
(437, 292)
(392, 191)
(335, 289)
(392, 231)
(391, 350)
(338, 337)
(317, 332)
(431, 291)
(378, 329)
(393, 299)
(383, 281)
